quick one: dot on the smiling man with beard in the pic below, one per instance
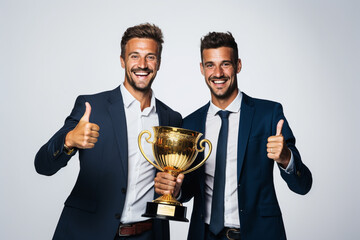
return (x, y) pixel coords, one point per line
(114, 182)
(234, 193)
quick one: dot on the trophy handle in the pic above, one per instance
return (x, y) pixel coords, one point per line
(200, 150)
(142, 151)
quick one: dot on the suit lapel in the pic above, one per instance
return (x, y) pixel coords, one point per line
(199, 125)
(117, 114)
(246, 116)
(162, 114)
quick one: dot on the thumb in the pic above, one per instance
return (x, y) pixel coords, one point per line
(279, 127)
(180, 178)
(87, 113)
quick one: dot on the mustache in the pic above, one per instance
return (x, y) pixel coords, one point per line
(148, 70)
(218, 78)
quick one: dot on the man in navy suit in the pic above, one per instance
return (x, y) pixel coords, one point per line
(114, 182)
(234, 194)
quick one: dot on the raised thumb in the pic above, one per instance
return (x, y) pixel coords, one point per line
(87, 113)
(279, 127)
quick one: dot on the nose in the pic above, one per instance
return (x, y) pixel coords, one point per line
(142, 63)
(218, 72)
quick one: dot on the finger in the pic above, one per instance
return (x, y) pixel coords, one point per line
(166, 186)
(92, 140)
(275, 139)
(87, 113)
(271, 156)
(94, 134)
(163, 188)
(274, 144)
(279, 127)
(160, 191)
(89, 145)
(165, 177)
(273, 149)
(94, 127)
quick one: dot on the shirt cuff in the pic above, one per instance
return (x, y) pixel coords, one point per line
(290, 167)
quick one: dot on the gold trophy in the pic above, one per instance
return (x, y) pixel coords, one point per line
(175, 150)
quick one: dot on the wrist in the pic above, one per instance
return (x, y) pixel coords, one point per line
(68, 142)
(68, 147)
(68, 150)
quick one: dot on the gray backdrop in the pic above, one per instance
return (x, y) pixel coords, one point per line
(304, 54)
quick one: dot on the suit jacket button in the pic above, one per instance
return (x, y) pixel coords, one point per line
(298, 173)
(117, 215)
(123, 190)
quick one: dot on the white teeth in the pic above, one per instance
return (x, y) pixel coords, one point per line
(218, 82)
(141, 74)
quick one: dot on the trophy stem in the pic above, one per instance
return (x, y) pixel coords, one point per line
(167, 199)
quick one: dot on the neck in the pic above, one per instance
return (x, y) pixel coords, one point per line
(223, 103)
(144, 97)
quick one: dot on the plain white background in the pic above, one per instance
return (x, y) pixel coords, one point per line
(304, 54)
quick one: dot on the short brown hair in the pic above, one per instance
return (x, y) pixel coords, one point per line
(145, 30)
(219, 39)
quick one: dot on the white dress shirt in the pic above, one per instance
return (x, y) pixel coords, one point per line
(140, 187)
(212, 128)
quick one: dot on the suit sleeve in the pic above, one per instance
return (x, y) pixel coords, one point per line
(300, 179)
(51, 157)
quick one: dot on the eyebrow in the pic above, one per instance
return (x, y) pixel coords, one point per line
(139, 53)
(133, 53)
(225, 61)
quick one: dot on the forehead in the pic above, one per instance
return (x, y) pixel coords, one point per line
(141, 45)
(217, 54)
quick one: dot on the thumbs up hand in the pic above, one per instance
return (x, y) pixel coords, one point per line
(277, 148)
(85, 134)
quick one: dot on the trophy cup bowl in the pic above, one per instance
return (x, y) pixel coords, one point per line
(174, 150)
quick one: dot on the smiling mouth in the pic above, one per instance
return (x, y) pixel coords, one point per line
(218, 80)
(141, 74)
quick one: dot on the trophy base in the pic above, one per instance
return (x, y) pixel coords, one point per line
(165, 212)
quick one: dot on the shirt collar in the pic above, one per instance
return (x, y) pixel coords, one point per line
(233, 107)
(129, 100)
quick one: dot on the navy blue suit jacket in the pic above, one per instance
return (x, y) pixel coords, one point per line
(95, 205)
(259, 211)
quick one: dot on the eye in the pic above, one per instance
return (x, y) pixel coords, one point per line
(134, 56)
(209, 65)
(226, 64)
(151, 57)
